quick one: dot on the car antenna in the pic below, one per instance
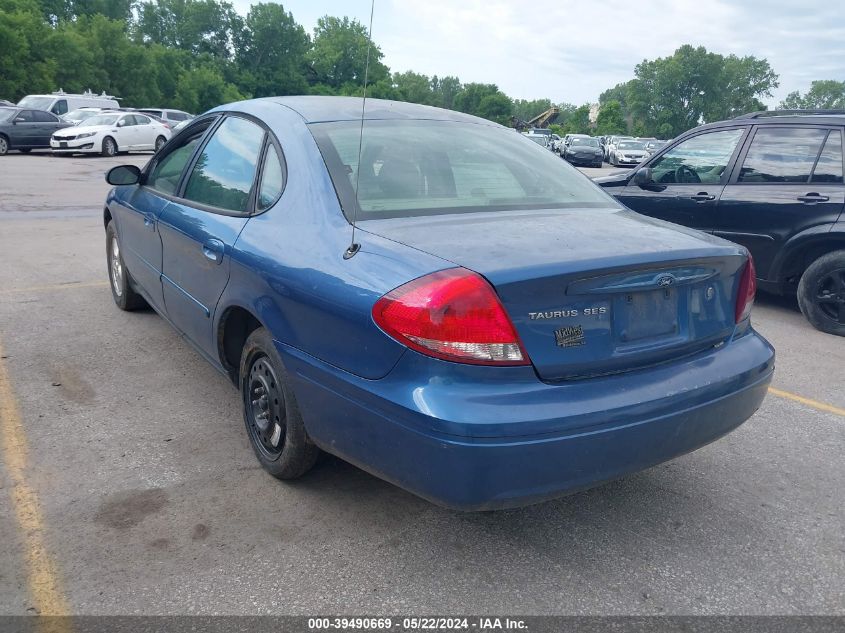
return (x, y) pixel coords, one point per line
(354, 247)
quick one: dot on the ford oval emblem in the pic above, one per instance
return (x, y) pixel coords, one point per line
(665, 280)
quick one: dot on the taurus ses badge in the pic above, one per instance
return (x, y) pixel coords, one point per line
(665, 280)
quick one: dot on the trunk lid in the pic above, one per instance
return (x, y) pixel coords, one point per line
(595, 291)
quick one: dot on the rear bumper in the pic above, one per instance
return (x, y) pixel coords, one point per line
(513, 440)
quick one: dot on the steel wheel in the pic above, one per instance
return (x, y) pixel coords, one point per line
(266, 411)
(116, 267)
(830, 295)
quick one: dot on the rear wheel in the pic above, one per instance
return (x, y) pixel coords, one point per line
(122, 292)
(109, 147)
(160, 141)
(271, 415)
(4, 145)
(821, 293)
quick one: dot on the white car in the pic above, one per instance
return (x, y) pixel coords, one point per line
(111, 132)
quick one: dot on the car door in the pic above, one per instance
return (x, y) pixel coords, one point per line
(48, 123)
(139, 212)
(687, 179)
(125, 132)
(788, 179)
(199, 229)
(25, 130)
(145, 135)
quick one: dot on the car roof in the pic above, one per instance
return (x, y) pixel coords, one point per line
(320, 109)
(786, 119)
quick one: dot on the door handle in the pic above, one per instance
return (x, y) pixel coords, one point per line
(150, 221)
(213, 249)
(813, 197)
(702, 196)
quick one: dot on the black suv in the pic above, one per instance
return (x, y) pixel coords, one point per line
(771, 181)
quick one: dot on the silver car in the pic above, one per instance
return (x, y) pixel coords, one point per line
(628, 153)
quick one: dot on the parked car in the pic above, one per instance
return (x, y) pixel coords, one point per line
(567, 139)
(772, 183)
(529, 336)
(24, 130)
(60, 103)
(543, 140)
(557, 143)
(653, 146)
(626, 152)
(111, 132)
(583, 151)
(610, 146)
(171, 118)
(81, 114)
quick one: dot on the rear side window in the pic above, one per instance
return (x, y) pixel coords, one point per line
(225, 170)
(272, 180)
(829, 166)
(780, 154)
(44, 117)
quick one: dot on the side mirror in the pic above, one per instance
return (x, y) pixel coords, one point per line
(124, 175)
(121, 123)
(643, 177)
(20, 119)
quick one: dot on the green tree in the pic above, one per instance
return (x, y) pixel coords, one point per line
(271, 52)
(444, 90)
(412, 87)
(198, 26)
(203, 88)
(25, 65)
(610, 119)
(338, 57)
(673, 94)
(823, 94)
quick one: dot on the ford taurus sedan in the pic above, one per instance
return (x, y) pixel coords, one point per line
(435, 299)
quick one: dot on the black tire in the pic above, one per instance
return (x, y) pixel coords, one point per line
(4, 145)
(160, 141)
(25, 150)
(271, 415)
(120, 282)
(821, 293)
(109, 147)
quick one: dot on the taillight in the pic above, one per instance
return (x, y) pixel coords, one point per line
(747, 289)
(454, 315)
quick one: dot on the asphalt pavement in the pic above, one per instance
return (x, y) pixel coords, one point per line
(128, 485)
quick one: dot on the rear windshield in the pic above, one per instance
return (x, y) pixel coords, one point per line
(36, 103)
(630, 145)
(592, 142)
(412, 168)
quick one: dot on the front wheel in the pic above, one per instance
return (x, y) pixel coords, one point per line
(271, 415)
(122, 292)
(4, 145)
(821, 293)
(109, 147)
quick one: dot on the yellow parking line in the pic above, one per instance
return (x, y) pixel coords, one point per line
(821, 406)
(43, 581)
(70, 285)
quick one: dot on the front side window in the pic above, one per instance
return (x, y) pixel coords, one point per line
(779, 154)
(829, 166)
(60, 107)
(225, 170)
(26, 116)
(700, 159)
(412, 168)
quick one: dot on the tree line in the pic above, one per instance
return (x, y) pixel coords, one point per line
(196, 54)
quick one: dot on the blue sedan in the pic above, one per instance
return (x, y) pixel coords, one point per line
(435, 299)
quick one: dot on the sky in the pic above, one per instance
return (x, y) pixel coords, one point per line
(572, 50)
